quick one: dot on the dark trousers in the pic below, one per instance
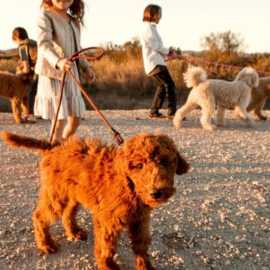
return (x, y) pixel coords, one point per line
(166, 87)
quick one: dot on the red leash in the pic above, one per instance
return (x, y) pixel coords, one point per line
(116, 134)
(88, 54)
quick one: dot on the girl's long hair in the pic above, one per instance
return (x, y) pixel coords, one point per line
(76, 9)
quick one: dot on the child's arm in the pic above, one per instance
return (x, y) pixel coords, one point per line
(23, 53)
(24, 65)
(45, 40)
(152, 41)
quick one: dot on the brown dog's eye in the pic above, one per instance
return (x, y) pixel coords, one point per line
(137, 166)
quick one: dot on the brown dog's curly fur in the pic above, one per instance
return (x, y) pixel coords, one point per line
(120, 185)
(15, 89)
(259, 97)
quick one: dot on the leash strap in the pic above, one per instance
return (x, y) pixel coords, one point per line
(58, 106)
(116, 134)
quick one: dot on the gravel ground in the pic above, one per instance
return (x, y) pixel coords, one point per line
(219, 217)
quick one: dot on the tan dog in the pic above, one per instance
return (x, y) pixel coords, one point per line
(259, 97)
(119, 184)
(15, 88)
(210, 94)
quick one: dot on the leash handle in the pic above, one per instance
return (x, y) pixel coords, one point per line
(89, 54)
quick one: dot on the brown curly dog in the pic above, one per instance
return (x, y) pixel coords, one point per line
(259, 97)
(120, 184)
(15, 88)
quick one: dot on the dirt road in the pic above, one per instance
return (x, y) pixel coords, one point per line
(218, 219)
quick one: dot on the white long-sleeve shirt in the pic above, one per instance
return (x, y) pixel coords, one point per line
(152, 47)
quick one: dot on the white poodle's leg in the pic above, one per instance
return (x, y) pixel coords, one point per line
(242, 108)
(182, 112)
(206, 120)
(208, 109)
(220, 116)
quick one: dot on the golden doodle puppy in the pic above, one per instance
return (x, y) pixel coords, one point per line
(119, 184)
(15, 88)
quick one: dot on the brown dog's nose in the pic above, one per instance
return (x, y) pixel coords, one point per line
(157, 194)
(163, 193)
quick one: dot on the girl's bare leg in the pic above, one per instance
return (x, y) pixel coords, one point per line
(57, 137)
(71, 126)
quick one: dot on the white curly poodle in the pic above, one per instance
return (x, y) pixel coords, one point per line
(217, 94)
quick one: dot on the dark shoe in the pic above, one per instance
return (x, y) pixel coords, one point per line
(156, 115)
(170, 114)
(171, 111)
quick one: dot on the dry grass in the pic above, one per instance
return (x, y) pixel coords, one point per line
(122, 83)
(8, 64)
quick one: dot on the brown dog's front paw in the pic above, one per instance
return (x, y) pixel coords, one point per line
(143, 264)
(80, 235)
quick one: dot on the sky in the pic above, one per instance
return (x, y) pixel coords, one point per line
(183, 23)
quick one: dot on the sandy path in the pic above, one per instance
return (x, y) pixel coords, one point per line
(218, 219)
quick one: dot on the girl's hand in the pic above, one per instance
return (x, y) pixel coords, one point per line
(64, 64)
(172, 53)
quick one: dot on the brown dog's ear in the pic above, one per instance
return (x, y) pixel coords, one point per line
(181, 165)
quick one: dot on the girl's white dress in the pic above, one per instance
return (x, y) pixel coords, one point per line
(48, 91)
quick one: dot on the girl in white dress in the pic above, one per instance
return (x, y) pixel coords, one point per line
(58, 38)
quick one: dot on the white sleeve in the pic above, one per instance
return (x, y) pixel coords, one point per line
(152, 41)
(45, 39)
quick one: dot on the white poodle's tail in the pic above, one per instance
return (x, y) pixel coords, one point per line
(194, 76)
(249, 75)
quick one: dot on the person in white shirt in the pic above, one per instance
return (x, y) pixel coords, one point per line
(154, 63)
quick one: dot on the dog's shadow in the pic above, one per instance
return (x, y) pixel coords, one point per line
(258, 126)
(230, 125)
(9, 121)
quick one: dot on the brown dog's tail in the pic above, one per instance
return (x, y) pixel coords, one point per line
(22, 141)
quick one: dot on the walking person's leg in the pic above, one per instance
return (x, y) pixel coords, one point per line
(169, 86)
(158, 99)
(72, 124)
